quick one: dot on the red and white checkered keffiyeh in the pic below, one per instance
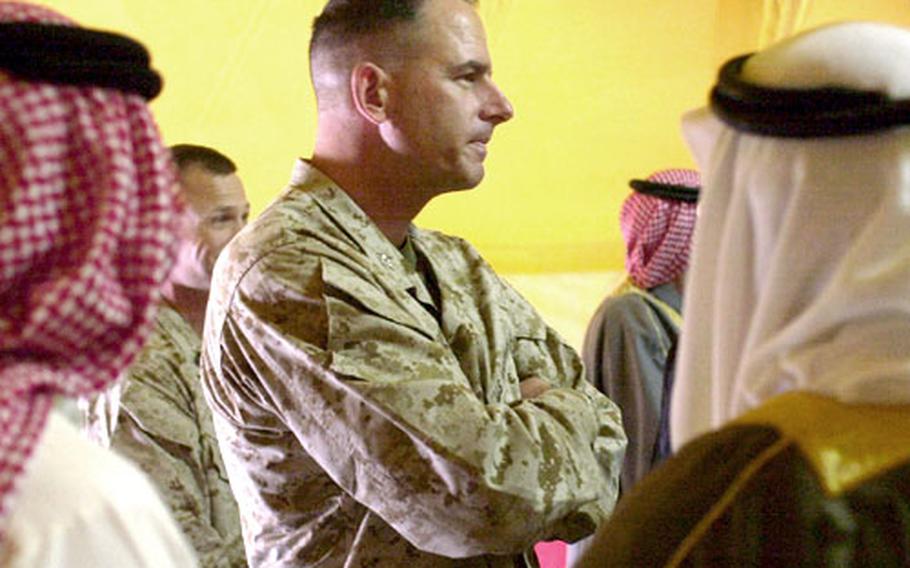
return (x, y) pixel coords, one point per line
(658, 232)
(87, 203)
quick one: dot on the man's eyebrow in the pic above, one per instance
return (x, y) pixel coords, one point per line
(228, 208)
(472, 66)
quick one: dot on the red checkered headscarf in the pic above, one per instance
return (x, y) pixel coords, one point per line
(658, 231)
(87, 203)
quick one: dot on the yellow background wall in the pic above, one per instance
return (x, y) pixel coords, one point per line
(598, 87)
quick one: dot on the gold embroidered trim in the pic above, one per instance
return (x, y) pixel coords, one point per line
(847, 444)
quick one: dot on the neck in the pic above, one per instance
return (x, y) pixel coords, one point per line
(365, 169)
(190, 303)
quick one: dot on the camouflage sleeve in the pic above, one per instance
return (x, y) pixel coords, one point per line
(165, 428)
(385, 410)
(543, 353)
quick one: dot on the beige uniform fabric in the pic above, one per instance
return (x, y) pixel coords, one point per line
(364, 423)
(158, 418)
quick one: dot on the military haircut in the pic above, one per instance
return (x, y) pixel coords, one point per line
(211, 160)
(343, 21)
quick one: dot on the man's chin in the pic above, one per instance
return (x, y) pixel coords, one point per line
(452, 182)
(469, 180)
(459, 188)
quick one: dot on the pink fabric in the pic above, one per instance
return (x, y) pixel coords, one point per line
(551, 554)
(87, 203)
(658, 232)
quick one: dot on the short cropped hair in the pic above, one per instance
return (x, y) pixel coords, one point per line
(213, 161)
(343, 21)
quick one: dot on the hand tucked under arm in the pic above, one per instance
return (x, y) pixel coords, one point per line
(532, 387)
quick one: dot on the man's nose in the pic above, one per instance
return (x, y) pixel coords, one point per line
(498, 109)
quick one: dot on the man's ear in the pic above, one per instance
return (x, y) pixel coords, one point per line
(370, 91)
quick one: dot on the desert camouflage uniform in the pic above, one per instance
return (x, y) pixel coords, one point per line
(157, 417)
(367, 401)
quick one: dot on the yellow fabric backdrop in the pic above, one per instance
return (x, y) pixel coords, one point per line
(598, 87)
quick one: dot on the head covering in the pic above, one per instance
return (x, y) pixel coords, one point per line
(657, 222)
(87, 201)
(800, 272)
(700, 129)
(76, 56)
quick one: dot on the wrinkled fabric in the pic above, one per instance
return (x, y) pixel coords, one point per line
(363, 423)
(86, 222)
(801, 268)
(800, 278)
(625, 354)
(102, 513)
(750, 495)
(157, 418)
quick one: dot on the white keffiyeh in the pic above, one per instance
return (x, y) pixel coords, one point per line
(800, 273)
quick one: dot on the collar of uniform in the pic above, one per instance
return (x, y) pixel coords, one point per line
(350, 218)
(419, 288)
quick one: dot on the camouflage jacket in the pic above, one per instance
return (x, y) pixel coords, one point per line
(158, 419)
(366, 423)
